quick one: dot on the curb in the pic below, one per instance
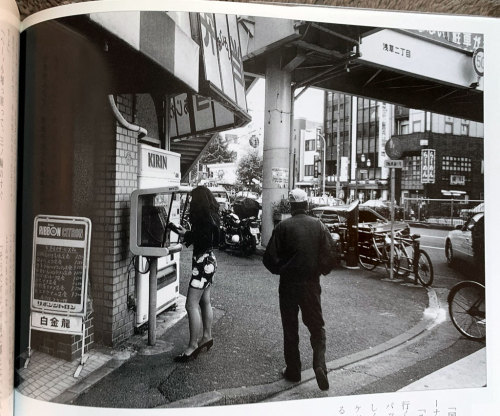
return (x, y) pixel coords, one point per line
(254, 394)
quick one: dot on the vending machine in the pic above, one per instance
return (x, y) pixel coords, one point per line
(157, 169)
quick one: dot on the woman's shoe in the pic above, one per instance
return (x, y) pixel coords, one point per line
(206, 345)
(184, 358)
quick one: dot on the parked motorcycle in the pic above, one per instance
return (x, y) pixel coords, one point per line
(240, 235)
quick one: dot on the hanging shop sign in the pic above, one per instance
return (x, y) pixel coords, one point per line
(428, 166)
(221, 102)
(192, 114)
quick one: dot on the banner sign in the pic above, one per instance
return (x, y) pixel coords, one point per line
(428, 166)
(461, 40)
(59, 271)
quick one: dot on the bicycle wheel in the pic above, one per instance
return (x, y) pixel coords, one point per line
(367, 257)
(425, 271)
(466, 304)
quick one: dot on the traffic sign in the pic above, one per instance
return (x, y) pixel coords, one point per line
(394, 148)
(396, 164)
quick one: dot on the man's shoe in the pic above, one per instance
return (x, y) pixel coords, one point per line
(289, 377)
(321, 378)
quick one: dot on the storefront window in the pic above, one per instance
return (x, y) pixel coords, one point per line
(410, 175)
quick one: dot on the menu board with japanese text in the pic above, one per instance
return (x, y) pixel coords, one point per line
(60, 264)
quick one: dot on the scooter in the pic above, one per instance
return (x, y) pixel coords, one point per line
(240, 235)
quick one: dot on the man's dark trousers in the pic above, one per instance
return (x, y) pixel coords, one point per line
(307, 297)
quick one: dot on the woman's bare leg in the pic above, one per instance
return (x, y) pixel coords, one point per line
(207, 315)
(194, 318)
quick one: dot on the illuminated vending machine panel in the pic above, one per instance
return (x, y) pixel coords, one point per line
(158, 168)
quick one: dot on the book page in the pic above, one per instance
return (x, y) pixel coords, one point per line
(9, 65)
(81, 159)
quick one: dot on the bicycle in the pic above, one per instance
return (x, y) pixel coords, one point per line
(412, 259)
(375, 250)
(467, 308)
(408, 257)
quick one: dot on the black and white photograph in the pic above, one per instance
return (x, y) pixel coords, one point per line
(239, 206)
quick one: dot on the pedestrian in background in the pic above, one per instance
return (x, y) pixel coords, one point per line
(204, 219)
(300, 250)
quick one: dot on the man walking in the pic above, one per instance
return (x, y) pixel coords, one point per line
(298, 250)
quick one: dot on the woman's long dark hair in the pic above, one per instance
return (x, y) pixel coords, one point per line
(203, 207)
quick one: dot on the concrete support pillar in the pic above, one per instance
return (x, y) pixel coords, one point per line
(276, 141)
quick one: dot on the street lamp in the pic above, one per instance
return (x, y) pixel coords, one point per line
(365, 162)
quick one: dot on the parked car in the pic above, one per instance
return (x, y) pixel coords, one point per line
(368, 218)
(467, 213)
(466, 243)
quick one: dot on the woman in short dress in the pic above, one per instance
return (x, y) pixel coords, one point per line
(205, 220)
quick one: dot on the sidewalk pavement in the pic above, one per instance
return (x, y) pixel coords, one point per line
(471, 368)
(51, 379)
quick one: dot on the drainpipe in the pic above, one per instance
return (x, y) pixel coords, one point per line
(118, 116)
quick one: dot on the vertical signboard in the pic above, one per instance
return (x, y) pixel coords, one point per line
(221, 53)
(428, 166)
(237, 62)
(221, 104)
(210, 49)
(344, 168)
(384, 135)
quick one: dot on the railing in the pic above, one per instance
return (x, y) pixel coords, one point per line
(449, 212)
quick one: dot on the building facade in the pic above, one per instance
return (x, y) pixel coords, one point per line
(306, 150)
(440, 154)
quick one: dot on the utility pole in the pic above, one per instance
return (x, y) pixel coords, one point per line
(337, 188)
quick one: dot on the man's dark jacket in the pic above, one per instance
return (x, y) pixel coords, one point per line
(300, 249)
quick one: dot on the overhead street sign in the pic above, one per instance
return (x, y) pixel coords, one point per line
(395, 164)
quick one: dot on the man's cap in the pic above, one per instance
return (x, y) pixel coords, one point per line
(297, 195)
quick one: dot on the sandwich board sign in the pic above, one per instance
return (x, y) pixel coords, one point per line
(59, 276)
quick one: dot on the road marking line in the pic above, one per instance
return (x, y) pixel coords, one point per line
(435, 248)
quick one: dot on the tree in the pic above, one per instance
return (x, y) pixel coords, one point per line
(218, 152)
(249, 169)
